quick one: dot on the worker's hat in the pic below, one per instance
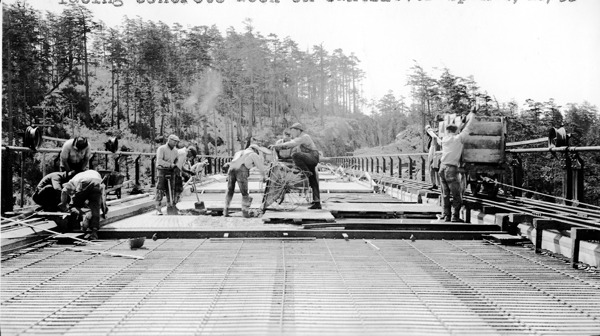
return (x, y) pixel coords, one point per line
(298, 126)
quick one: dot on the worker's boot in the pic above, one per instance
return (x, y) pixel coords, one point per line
(158, 208)
(226, 208)
(94, 234)
(246, 202)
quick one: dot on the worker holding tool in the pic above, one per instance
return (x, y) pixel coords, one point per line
(75, 155)
(166, 164)
(239, 170)
(185, 154)
(85, 187)
(48, 191)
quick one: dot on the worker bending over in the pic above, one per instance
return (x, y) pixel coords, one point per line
(239, 170)
(85, 187)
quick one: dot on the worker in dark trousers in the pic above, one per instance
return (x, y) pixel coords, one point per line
(452, 146)
(85, 187)
(166, 162)
(306, 157)
(48, 191)
(238, 172)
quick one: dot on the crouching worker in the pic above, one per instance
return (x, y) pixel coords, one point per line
(85, 186)
(48, 191)
(239, 170)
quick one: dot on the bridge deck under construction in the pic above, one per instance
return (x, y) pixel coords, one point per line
(384, 266)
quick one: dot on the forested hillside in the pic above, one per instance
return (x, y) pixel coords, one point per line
(221, 89)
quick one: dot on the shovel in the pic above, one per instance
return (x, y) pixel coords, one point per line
(171, 209)
(199, 205)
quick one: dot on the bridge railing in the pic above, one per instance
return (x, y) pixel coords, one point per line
(411, 165)
(569, 166)
(138, 167)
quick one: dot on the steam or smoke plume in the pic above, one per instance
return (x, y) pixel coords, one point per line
(205, 92)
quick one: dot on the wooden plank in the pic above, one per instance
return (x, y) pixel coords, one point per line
(359, 198)
(483, 156)
(383, 208)
(486, 128)
(484, 142)
(505, 239)
(489, 119)
(408, 224)
(298, 215)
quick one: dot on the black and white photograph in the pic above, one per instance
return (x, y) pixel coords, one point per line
(300, 167)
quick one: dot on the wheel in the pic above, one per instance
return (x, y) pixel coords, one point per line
(286, 189)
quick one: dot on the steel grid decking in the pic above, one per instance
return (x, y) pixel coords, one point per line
(323, 286)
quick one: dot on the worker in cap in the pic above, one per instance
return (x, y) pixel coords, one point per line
(185, 159)
(166, 166)
(85, 189)
(48, 191)
(452, 142)
(75, 155)
(238, 172)
(306, 157)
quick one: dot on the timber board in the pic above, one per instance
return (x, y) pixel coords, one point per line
(383, 208)
(297, 216)
(401, 224)
(359, 198)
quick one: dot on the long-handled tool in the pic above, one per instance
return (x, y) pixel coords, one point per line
(171, 209)
(21, 222)
(199, 205)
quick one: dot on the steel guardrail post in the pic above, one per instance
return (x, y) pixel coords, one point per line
(7, 186)
(568, 179)
(383, 164)
(391, 166)
(579, 174)
(422, 168)
(410, 168)
(153, 169)
(399, 167)
(22, 182)
(137, 170)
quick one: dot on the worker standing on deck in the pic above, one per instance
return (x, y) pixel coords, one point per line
(433, 159)
(85, 186)
(185, 155)
(166, 163)
(306, 157)
(48, 191)
(75, 155)
(239, 170)
(452, 147)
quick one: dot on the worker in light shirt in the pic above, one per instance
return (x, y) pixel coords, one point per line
(85, 187)
(239, 170)
(166, 167)
(452, 147)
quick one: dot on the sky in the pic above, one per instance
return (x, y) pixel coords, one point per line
(514, 49)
